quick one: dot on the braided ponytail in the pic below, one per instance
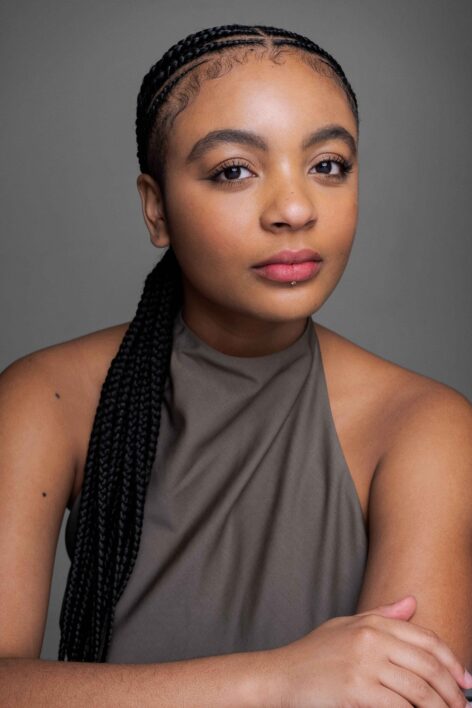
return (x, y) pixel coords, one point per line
(125, 430)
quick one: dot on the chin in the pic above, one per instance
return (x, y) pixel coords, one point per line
(279, 313)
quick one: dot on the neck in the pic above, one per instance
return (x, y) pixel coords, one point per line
(237, 334)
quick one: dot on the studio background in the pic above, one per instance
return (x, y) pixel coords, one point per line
(74, 250)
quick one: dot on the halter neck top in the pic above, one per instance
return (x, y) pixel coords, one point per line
(253, 532)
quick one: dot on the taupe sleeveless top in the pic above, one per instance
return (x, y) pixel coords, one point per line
(253, 533)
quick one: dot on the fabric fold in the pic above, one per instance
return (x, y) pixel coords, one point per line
(253, 533)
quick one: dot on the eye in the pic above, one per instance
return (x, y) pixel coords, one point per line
(336, 168)
(231, 171)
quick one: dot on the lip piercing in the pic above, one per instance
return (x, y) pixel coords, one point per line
(293, 282)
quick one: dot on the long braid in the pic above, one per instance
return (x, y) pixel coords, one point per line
(125, 430)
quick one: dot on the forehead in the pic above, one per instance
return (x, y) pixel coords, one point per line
(286, 99)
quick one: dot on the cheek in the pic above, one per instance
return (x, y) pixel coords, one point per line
(337, 223)
(211, 227)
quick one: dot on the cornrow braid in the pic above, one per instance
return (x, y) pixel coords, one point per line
(160, 95)
(308, 46)
(296, 40)
(125, 429)
(155, 88)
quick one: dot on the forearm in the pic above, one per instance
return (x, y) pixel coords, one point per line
(227, 681)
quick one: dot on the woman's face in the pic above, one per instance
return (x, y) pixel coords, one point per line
(232, 203)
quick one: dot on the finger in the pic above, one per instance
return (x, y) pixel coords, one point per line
(411, 687)
(404, 608)
(384, 697)
(420, 664)
(425, 639)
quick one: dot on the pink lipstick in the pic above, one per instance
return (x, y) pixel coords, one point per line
(286, 266)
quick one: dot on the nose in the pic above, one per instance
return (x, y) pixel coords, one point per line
(290, 207)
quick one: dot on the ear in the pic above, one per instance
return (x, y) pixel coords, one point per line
(153, 210)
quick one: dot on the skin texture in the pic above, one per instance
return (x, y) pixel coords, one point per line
(407, 439)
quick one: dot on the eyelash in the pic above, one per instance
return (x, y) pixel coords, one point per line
(345, 167)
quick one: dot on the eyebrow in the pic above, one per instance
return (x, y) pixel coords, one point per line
(246, 137)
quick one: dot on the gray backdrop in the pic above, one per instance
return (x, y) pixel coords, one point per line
(74, 250)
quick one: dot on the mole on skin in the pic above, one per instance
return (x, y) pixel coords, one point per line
(44, 494)
(57, 395)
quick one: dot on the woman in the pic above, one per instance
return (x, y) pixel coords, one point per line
(284, 554)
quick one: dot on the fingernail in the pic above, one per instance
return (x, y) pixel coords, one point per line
(468, 679)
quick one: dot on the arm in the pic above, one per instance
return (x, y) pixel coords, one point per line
(36, 458)
(227, 681)
(420, 519)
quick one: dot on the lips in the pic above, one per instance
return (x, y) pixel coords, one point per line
(289, 257)
(288, 272)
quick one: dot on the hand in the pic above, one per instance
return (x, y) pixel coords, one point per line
(371, 659)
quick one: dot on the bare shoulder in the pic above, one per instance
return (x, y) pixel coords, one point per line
(57, 388)
(47, 403)
(381, 397)
(409, 443)
(76, 360)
